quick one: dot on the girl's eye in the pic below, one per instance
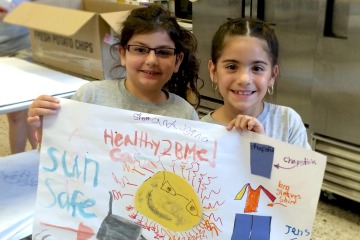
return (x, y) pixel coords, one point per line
(258, 68)
(231, 67)
(141, 50)
(164, 52)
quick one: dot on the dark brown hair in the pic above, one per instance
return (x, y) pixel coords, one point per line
(153, 18)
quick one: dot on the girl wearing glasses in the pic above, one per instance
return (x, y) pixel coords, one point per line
(162, 71)
(243, 67)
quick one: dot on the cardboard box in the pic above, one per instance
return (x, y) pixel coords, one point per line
(74, 40)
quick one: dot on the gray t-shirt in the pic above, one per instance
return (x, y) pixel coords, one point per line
(280, 122)
(112, 93)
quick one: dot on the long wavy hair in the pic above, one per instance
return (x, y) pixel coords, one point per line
(186, 82)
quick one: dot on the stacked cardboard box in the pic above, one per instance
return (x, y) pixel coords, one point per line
(74, 40)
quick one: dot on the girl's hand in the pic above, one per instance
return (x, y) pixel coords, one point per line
(246, 123)
(42, 105)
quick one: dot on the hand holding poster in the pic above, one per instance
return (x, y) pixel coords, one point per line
(114, 174)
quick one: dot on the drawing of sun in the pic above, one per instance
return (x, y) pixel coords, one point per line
(169, 200)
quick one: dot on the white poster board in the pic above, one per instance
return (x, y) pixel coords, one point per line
(114, 174)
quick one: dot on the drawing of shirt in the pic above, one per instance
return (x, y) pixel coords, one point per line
(253, 197)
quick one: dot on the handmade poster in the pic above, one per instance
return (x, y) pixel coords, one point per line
(109, 173)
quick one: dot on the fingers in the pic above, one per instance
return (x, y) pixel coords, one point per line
(41, 106)
(246, 123)
(34, 121)
(44, 105)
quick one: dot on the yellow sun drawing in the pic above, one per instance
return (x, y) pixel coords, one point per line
(169, 200)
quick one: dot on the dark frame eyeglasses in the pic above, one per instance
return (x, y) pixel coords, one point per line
(140, 50)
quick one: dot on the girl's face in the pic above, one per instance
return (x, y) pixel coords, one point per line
(148, 73)
(243, 74)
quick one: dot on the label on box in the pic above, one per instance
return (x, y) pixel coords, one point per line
(63, 41)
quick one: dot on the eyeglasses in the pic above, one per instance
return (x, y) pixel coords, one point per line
(144, 51)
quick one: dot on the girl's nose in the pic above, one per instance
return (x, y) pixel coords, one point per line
(151, 58)
(244, 76)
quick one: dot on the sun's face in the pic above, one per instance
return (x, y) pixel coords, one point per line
(169, 200)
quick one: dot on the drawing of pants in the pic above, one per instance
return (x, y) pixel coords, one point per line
(251, 227)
